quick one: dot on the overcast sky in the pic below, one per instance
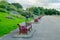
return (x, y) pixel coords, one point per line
(42, 3)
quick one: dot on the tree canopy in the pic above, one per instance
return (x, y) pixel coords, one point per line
(7, 7)
(43, 11)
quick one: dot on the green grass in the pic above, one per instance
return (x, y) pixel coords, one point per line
(7, 25)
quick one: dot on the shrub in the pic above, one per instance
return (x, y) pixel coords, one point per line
(3, 10)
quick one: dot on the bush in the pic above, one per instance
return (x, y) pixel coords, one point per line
(3, 10)
(2, 6)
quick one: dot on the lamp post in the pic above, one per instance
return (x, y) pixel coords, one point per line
(26, 21)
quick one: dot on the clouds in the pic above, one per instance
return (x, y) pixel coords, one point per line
(55, 1)
(49, 1)
(43, 3)
(35, 1)
(53, 5)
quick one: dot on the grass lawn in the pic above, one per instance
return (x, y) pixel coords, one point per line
(7, 25)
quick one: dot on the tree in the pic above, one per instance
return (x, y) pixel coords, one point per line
(17, 5)
(11, 7)
(41, 10)
(34, 10)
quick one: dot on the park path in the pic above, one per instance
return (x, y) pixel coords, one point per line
(48, 28)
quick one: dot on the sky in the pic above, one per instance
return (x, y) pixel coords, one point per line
(42, 3)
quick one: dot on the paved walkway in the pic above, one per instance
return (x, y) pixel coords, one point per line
(48, 28)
